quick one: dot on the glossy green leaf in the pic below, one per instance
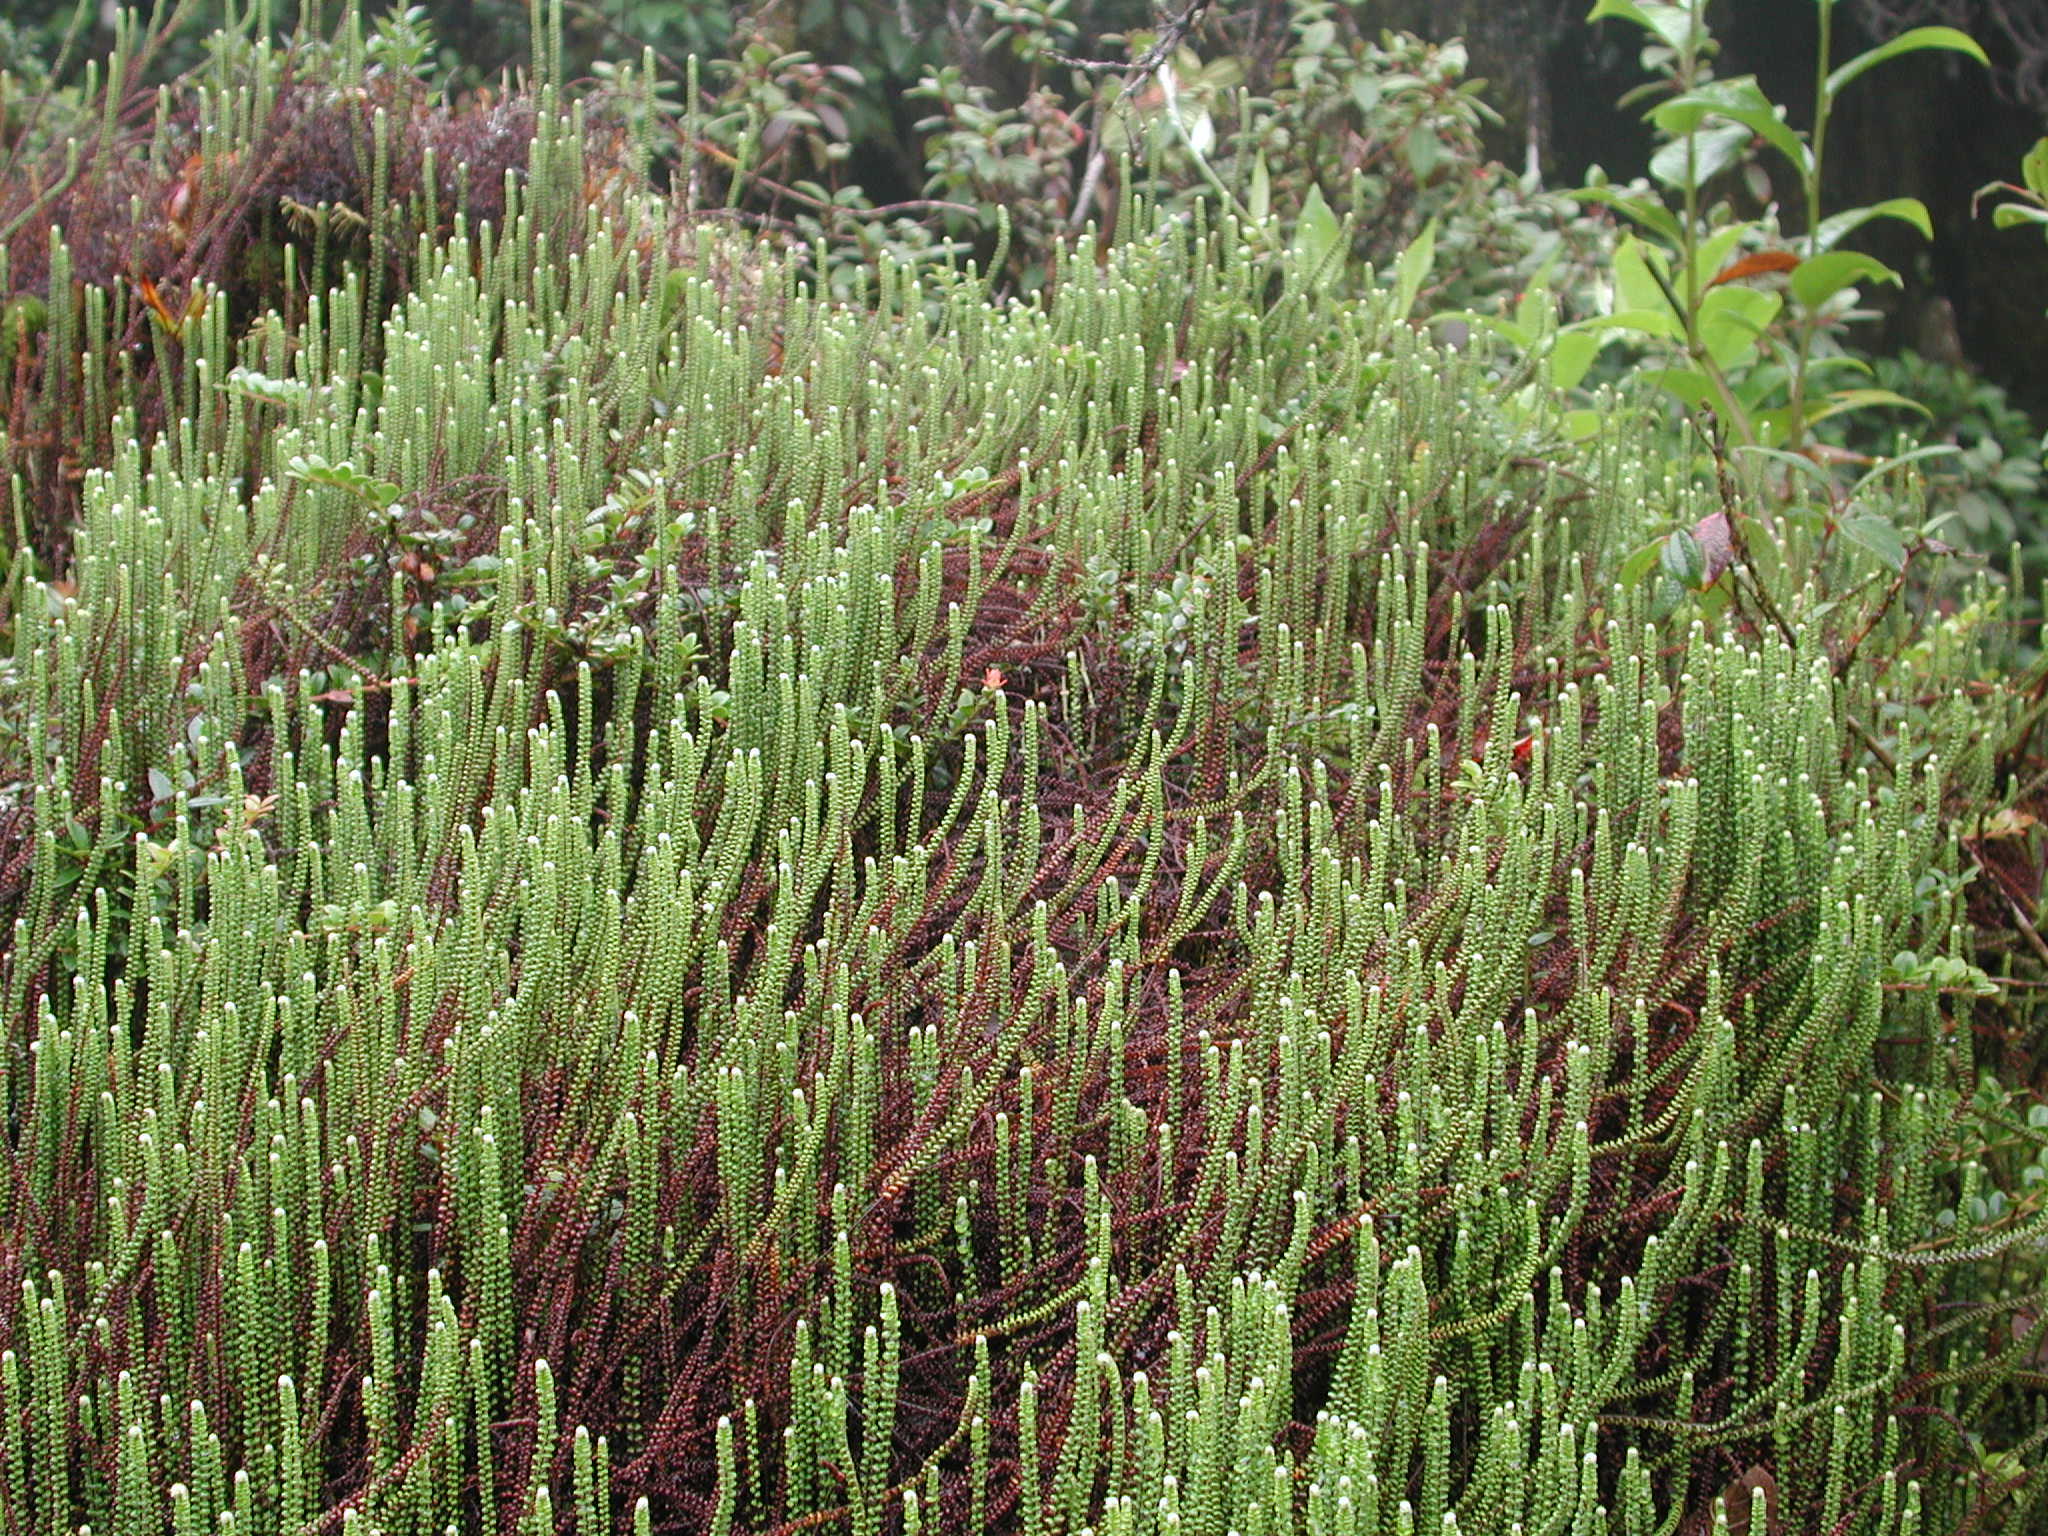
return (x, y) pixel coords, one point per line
(1571, 355)
(1857, 399)
(1713, 253)
(1316, 233)
(1740, 100)
(1518, 337)
(1846, 363)
(2034, 168)
(1682, 559)
(1671, 25)
(1640, 564)
(1731, 319)
(2012, 215)
(1636, 289)
(1798, 462)
(1819, 278)
(1646, 211)
(1581, 424)
(1699, 155)
(1916, 40)
(1412, 270)
(1912, 456)
(1878, 534)
(1652, 322)
(1425, 153)
(1909, 209)
(1692, 388)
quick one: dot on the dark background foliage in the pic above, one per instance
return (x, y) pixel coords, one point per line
(1936, 133)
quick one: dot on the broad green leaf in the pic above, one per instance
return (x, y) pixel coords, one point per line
(1259, 200)
(1765, 378)
(1819, 278)
(2034, 169)
(1878, 534)
(1579, 425)
(1740, 100)
(1646, 211)
(1713, 150)
(1651, 322)
(1914, 41)
(1413, 269)
(1514, 335)
(1637, 290)
(1815, 366)
(2012, 215)
(1731, 319)
(1316, 232)
(1843, 400)
(1571, 354)
(1798, 461)
(1713, 252)
(1683, 560)
(1771, 427)
(1640, 564)
(1535, 307)
(1692, 387)
(1928, 451)
(1857, 399)
(1666, 594)
(1909, 209)
(1425, 153)
(1671, 25)
(1218, 77)
(1623, 10)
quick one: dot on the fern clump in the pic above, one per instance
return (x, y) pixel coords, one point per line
(638, 900)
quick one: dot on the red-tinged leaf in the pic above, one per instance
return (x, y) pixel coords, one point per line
(2010, 822)
(1741, 1503)
(1736, 1499)
(1717, 545)
(1828, 453)
(335, 696)
(147, 289)
(1755, 265)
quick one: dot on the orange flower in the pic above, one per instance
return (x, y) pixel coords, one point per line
(155, 301)
(174, 324)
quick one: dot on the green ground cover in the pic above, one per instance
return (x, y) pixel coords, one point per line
(639, 897)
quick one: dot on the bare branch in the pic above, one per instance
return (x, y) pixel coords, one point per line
(1172, 31)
